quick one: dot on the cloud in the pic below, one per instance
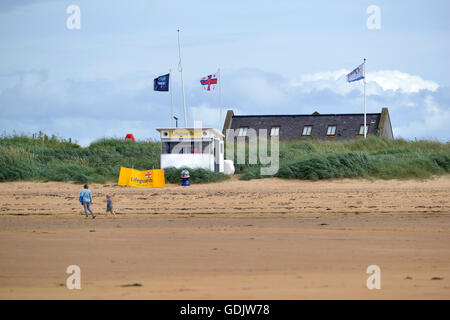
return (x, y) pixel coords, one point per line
(257, 87)
(396, 80)
(328, 75)
(431, 121)
(86, 110)
(377, 82)
(208, 115)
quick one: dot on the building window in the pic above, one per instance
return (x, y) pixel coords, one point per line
(275, 131)
(307, 130)
(242, 131)
(361, 129)
(331, 131)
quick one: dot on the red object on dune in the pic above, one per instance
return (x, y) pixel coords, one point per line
(129, 136)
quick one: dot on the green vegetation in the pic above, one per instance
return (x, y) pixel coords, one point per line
(370, 158)
(197, 175)
(54, 159)
(45, 158)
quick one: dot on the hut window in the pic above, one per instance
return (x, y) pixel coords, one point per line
(331, 131)
(361, 129)
(307, 130)
(275, 131)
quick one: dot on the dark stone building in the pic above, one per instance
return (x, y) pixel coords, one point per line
(312, 126)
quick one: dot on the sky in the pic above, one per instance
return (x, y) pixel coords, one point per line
(275, 57)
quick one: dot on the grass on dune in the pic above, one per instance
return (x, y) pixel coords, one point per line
(31, 158)
(43, 158)
(373, 157)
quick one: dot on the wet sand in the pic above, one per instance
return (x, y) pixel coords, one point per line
(260, 239)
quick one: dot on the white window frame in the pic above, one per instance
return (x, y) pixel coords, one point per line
(275, 131)
(307, 130)
(242, 131)
(361, 129)
(331, 132)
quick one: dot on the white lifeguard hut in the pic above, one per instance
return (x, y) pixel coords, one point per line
(192, 148)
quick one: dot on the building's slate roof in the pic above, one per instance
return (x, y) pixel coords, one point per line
(291, 126)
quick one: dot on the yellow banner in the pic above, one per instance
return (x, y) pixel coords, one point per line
(185, 133)
(135, 178)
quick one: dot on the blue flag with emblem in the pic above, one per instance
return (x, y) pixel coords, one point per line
(356, 74)
(161, 83)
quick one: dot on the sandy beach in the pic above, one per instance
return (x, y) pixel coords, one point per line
(259, 239)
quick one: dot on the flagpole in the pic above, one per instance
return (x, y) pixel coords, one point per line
(180, 68)
(171, 98)
(365, 121)
(220, 96)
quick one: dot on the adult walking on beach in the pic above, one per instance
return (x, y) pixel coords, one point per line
(86, 200)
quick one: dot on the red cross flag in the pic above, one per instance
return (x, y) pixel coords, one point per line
(209, 82)
(148, 174)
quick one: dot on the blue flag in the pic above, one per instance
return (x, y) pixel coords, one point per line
(356, 74)
(161, 83)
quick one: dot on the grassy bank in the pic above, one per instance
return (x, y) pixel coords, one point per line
(46, 158)
(53, 159)
(370, 158)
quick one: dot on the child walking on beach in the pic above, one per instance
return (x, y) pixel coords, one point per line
(109, 206)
